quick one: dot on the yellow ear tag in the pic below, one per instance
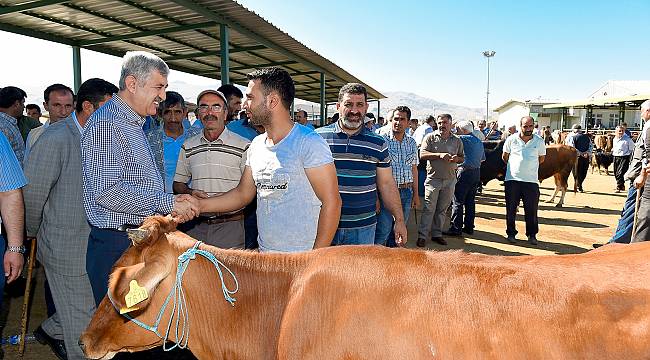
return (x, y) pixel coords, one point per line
(136, 294)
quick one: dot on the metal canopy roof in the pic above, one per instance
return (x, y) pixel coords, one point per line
(185, 33)
(632, 100)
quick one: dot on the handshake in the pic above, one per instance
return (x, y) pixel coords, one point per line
(186, 207)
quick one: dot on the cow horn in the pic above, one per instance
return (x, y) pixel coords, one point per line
(137, 235)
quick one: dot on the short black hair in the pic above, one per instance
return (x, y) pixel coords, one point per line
(229, 90)
(94, 91)
(33, 107)
(445, 116)
(302, 111)
(353, 88)
(10, 94)
(430, 118)
(404, 109)
(275, 79)
(172, 98)
(55, 87)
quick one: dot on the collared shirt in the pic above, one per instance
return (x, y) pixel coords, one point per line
(421, 132)
(196, 124)
(473, 150)
(438, 168)
(356, 158)
(213, 166)
(11, 174)
(76, 122)
(33, 136)
(581, 142)
(478, 134)
(165, 151)
(242, 128)
(122, 184)
(26, 124)
(523, 161)
(403, 155)
(9, 127)
(622, 146)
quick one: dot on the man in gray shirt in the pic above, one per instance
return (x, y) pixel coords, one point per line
(289, 168)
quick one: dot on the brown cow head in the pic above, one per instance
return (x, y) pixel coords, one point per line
(151, 261)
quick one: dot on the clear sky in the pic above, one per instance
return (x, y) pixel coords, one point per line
(550, 49)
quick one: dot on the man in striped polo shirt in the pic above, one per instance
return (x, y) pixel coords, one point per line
(213, 161)
(362, 167)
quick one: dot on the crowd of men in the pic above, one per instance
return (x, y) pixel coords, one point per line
(247, 174)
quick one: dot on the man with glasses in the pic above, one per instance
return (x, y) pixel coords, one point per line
(213, 162)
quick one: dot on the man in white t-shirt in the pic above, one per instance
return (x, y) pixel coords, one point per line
(290, 168)
(523, 152)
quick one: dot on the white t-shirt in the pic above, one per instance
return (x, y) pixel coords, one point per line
(523, 162)
(287, 207)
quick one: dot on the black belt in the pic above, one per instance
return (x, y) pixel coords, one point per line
(126, 227)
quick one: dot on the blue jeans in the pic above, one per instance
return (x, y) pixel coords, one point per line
(357, 236)
(465, 199)
(384, 234)
(422, 175)
(623, 233)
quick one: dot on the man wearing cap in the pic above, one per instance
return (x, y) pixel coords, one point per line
(213, 162)
(582, 143)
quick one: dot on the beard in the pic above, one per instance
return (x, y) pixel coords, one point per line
(260, 116)
(528, 133)
(351, 124)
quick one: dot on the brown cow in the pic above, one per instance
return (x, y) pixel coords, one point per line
(558, 163)
(370, 302)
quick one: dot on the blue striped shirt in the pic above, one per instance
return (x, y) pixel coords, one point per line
(122, 184)
(9, 127)
(11, 174)
(356, 158)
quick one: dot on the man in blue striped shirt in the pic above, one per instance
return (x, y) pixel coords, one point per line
(362, 167)
(121, 182)
(12, 211)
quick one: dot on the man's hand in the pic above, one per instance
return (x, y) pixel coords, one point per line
(445, 157)
(454, 158)
(401, 236)
(13, 264)
(416, 201)
(639, 182)
(186, 207)
(200, 194)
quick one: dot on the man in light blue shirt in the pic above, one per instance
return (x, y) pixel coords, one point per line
(166, 141)
(523, 152)
(301, 118)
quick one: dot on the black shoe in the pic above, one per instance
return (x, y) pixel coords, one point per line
(468, 231)
(511, 239)
(57, 346)
(452, 233)
(596, 246)
(439, 240)
(532, 239)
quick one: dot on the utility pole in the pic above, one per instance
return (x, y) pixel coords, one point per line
(488, 54)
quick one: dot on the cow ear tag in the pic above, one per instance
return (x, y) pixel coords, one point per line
(136, 294)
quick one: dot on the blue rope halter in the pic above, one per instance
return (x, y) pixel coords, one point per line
(179, 308)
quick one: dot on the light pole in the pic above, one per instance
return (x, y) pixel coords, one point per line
(488, 54)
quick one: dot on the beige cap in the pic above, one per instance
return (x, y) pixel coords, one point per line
(215, 92)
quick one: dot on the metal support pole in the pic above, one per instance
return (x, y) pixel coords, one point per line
(323, 103)
(76, 67)
(488, 54)
(378, 111)
(225, 54)
(621, 113)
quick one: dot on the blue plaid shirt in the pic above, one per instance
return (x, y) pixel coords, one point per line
(9, 126)
(122, 184)
(11, 174)
(403, 155)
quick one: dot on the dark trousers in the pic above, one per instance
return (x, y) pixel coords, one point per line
(623, 232)
(465, 200)
(250, 225)
(105, 246)
(582, 165)
(642, 232)
(528, 193)
(621, 164)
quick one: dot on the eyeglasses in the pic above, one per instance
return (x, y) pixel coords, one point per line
(214, 108)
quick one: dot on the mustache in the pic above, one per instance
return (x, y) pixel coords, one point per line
(210, 117)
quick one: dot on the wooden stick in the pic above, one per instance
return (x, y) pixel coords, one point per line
(28, 290)
(636, 210)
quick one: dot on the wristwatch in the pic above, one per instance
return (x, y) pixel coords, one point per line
(17, 249)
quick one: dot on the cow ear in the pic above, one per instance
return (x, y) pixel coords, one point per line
(132, 287)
